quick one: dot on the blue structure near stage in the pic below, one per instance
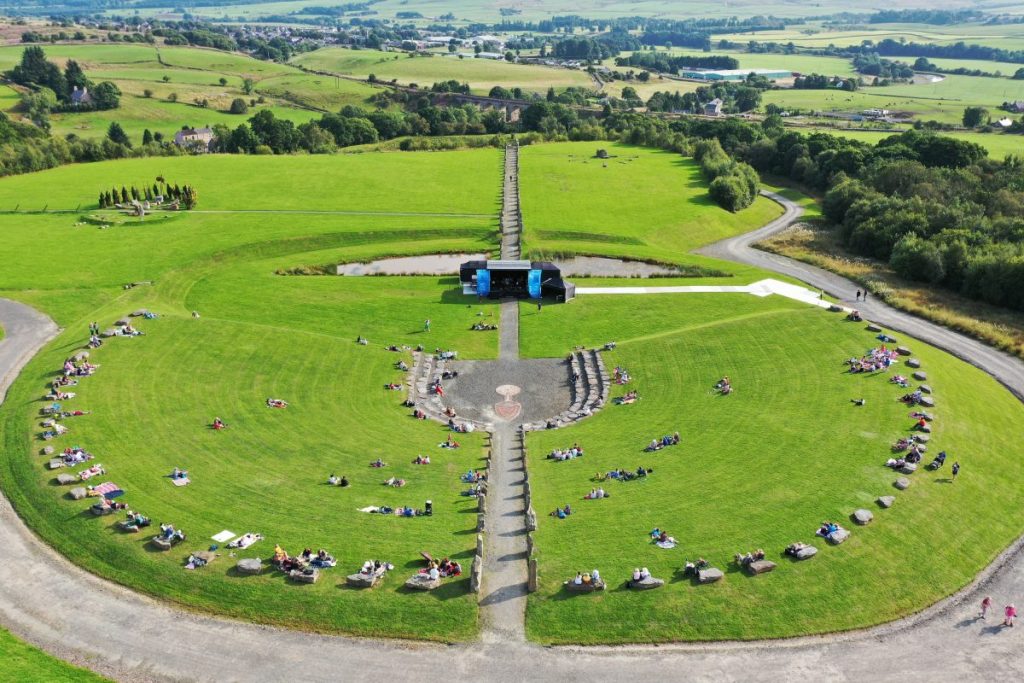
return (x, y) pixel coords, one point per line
(515, 279)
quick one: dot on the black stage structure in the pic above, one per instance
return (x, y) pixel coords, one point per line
(515, 279)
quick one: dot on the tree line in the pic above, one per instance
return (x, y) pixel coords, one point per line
(185, 194)
(666, 63)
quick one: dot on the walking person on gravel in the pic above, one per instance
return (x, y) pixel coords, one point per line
(1011, 614)
(986, 603)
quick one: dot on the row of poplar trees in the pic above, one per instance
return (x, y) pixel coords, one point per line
(185, 194)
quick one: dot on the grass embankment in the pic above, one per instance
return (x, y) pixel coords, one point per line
(260, 335)
(27, 664)
(641, 204)
(759, 469)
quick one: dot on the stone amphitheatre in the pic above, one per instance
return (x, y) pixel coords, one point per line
(317, 377)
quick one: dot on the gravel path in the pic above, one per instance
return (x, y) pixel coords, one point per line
(98, 624)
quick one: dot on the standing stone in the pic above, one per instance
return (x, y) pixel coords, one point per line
(531, 581)
(481, 503)
(480, 545)
(529, 545)
(481, 524)
(531, 519)
(913, 363)
(886, 501)
(902, 483)
(476, 574)
(903, 350)
(920, 375)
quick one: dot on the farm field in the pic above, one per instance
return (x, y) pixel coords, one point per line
(641, 203)
(830, 66)
(481, 74)
(192, 74)
(759, 483)
(22, 662)
(998, 144)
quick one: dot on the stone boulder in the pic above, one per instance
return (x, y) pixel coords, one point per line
(838, 536)
(886, 501)
(360, 580)
(902, 483)
(573, 587)
(835, 309)
(55, 464)
(925, 388)
(161, 543)
(903, 350)
(909, 468)
(863, 516)
(78, 493)
(47, 450)
(913, 363)
(422, 582)
(138, 313)
(760, 567)
(645, 584)
(304, 575)
(806, 553)
(709, 575)
(923, 438)
(250, 566)
(873, 328)
(925, 429)
(920, 375)
(109, 332)
(927, 401)
(121, 322)
(65, 479)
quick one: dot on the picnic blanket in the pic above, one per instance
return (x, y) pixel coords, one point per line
(245, 540)
(667, 545)
(105, 488)
(181, 482)
(224, 536)
(372, 508)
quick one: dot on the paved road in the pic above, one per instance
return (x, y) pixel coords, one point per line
(95, 623)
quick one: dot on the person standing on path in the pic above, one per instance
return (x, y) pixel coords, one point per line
(426, 325)
(956, 469)
(1011, 614)
(858, 295)
(538, 305)
(986, 603)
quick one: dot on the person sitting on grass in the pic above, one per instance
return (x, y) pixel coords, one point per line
(421, 460)
(401, 365)
(794, 548)
(179, 474)
(654, 445)
(939, 461)
(724, 385)
(854, 316)
(395, 482)
(378, 463)
(693, 568)
(748, 558)
(628, 398)
(276, 403)
(218, 424)
(333, 480)
(828, 528)
(450, 443)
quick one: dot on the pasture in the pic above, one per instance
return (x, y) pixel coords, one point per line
(22, 662)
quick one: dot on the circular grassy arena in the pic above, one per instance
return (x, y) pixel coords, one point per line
(760, 468)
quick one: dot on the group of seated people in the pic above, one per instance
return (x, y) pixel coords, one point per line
(913, 398)
(463, 428)
(661, 536)
(450, 443)
(375, 568)
(639, 574)
(421, 460)
(75, 455)
(169, 533)
(94, 471)
(179, 474)
(361, 340)
(276, 403)
(133, 521)
(724, 386)
(442, 569)
(667, 440)
(436, 388)
(596, 494)
(873, 361)
(692, 568)
(854, 316)
(82, 368)
(587, 578)
(794, 548)
(404, 511)
(900, 380)
(483, 326)
(561, 513)
(610, 346)
(394, 482)
(621, 376)
(401, 365)
(908, 442)
(335, 480)
(419, 414)
(938, 462)
(307, 559)
(446, 355)
(624, 475)
(745, 559)
(567, 453)
(95, 342)
(475, 490)
(474, 476)
(827, 528)
(378, 463)
(53, 430)
(628, 398)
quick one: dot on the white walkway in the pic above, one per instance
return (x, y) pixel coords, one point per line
(760, 288)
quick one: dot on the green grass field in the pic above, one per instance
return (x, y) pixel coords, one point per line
(998, 145)
(642, 203)
(758, 469)
(481, 74)
(22, 662)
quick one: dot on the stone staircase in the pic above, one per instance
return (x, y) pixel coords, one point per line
(589, 391)
(511, 216)
(425, 370)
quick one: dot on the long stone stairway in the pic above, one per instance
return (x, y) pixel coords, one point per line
(511, 216)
